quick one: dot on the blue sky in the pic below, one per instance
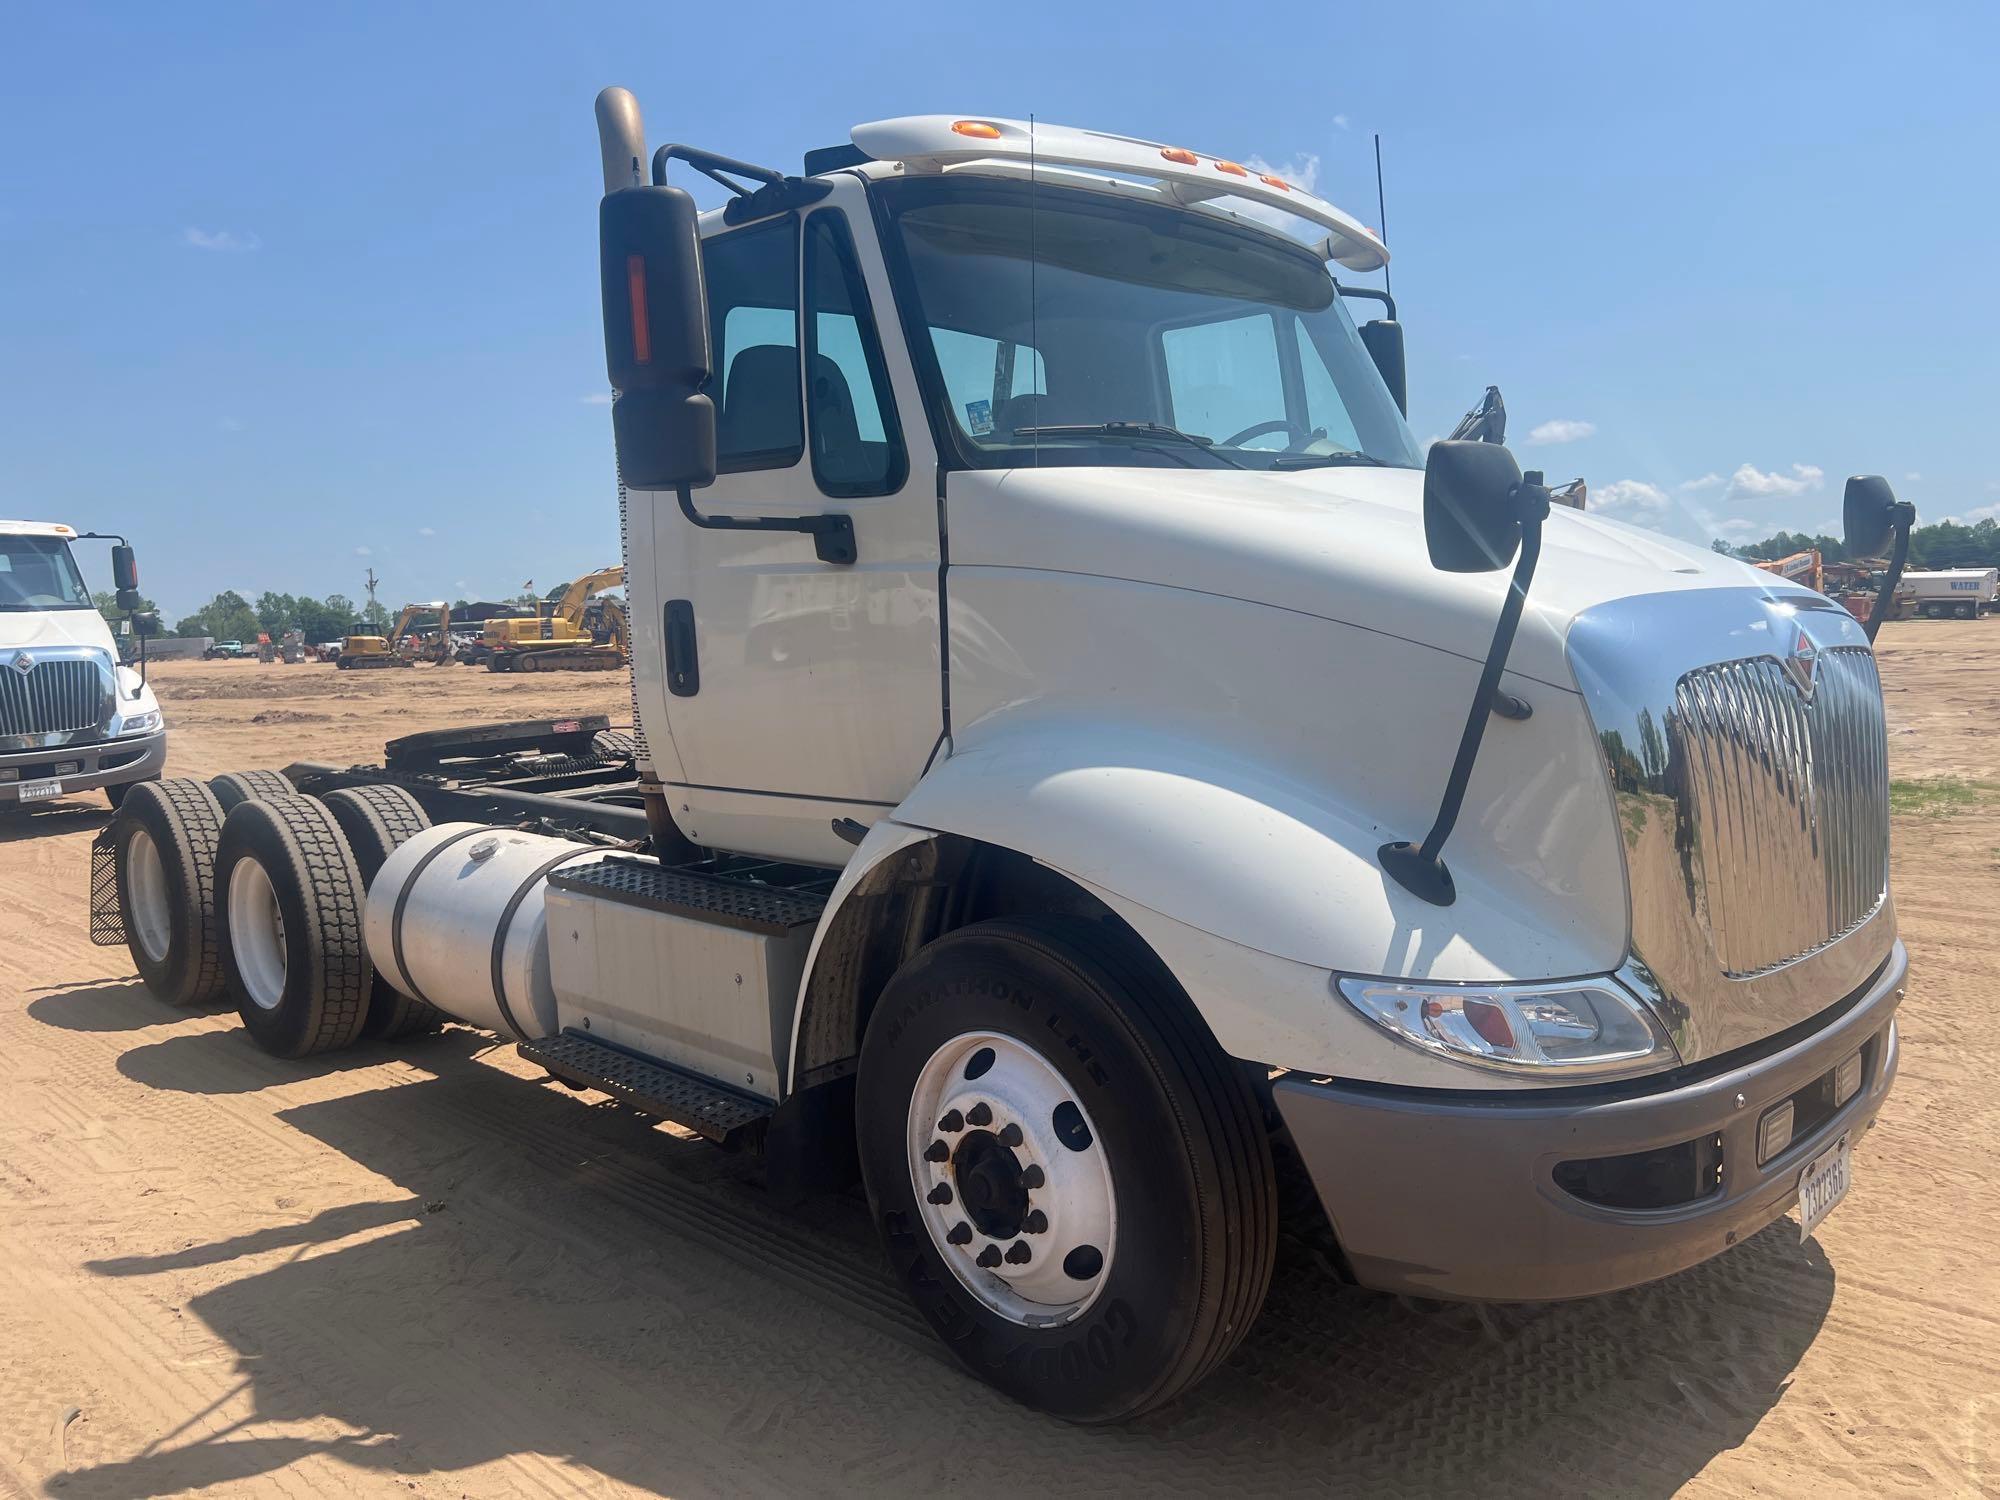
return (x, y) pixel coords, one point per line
(288, 292)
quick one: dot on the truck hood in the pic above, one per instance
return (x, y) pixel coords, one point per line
(54, 627)
(1343, 544)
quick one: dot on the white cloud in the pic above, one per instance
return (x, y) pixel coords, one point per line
(1974, 517)
(229, 424)
(596, 398)
(1752, 482)
(1913, 477)
(1340, 122)
(1561, 430)
(427, 531)
(1630, 500)
(220, 239)
(1301, 171)
(1708, 481)
(364, 551)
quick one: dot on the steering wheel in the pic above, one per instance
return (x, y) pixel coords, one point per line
(1299, 436)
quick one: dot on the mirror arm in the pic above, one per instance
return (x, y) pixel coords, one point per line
(1374, 294)
(1904, 518)
(1417, 868)
(832, 534)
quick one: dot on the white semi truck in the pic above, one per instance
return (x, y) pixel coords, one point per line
(1092, 760)
(73, 718)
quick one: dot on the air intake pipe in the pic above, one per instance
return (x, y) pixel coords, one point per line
(622, 138)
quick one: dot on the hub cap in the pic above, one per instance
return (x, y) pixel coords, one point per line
(1011, 1178)
(257, 933)
(146, 896)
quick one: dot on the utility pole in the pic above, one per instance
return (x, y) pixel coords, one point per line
(374, 610)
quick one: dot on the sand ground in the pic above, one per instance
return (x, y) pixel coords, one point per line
(418, 1270)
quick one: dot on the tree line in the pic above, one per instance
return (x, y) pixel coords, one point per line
(1947, 544)
(231, 617)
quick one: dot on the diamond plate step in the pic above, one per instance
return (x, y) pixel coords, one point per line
(648, 1085)
(745, 904)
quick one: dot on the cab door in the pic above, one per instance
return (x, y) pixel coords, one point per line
(804, 691)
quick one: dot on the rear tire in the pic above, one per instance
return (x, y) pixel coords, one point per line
(165, 837)
(232, 787)
(292, 946)
(376, 820)
(1155, 1147)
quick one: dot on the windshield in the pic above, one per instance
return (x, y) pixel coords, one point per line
(37, 572)
(1097, 330)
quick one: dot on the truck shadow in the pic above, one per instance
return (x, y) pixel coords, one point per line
(53, 819)
(567, 1286)
(110, 1005)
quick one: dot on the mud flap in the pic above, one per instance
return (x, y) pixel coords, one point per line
(107, 923)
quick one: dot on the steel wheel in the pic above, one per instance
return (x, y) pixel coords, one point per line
(1010, 1173)
(257, 933)
(146, 896)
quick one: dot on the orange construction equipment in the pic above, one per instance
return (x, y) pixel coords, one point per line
(1800, 567)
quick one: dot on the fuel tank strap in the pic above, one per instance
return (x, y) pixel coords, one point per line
(505, 925)
(415, 991)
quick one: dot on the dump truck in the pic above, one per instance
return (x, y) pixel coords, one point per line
(73, 717)
(1096, 778)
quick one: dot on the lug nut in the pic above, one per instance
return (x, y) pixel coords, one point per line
(953, 1122)
(959, 1234)
(1037, 1222)
(989, 1257)
(1010, 1134)
(1018, 1253)
(1032, 1177)
(937, 1151)
(940, 1194)
(979, 1114)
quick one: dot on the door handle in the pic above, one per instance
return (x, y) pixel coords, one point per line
(683, 667)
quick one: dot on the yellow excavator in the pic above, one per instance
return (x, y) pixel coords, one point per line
(558, 639)
(364, 650)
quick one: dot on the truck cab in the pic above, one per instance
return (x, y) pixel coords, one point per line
(72, 717)
(1097, 765)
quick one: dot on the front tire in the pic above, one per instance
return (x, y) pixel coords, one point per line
(292, 946)
(1089, 1217)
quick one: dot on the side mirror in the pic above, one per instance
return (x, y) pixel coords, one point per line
(124, 569)
(1869, 515)
(1383, 340)
(1471, 521)
(656, 347)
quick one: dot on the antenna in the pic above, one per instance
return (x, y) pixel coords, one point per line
(1381, 209)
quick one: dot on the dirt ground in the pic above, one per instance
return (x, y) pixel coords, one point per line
(421, 1271)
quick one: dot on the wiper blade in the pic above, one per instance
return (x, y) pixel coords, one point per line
(1127, 429)
(1344, 460)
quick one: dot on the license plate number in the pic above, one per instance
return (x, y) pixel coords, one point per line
(35, 791)
(1822, 1184)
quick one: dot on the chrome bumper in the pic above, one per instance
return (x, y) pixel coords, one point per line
(86, 767)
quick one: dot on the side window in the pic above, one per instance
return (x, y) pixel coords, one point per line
(982, 376)
(1224, 378)
(753, 316)
(1326, 413)
(857, 445)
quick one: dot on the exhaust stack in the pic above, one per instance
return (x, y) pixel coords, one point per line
(622, 138)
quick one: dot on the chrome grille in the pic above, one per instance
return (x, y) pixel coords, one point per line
(60, 695)
(1784, 804)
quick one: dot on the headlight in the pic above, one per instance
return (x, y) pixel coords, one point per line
(1589, 1028)
(144, 723)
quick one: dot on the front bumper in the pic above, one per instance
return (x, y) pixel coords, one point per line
(1457, 1197)
(82, 768)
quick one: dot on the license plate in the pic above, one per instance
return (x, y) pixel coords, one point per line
(35, 791)
(1821, 1185)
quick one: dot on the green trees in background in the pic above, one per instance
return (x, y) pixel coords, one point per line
(1947, 544)
(231, 617)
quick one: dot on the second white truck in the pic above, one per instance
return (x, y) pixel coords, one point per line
(1092, 759)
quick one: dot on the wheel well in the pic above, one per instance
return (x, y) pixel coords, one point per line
(912, 898)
